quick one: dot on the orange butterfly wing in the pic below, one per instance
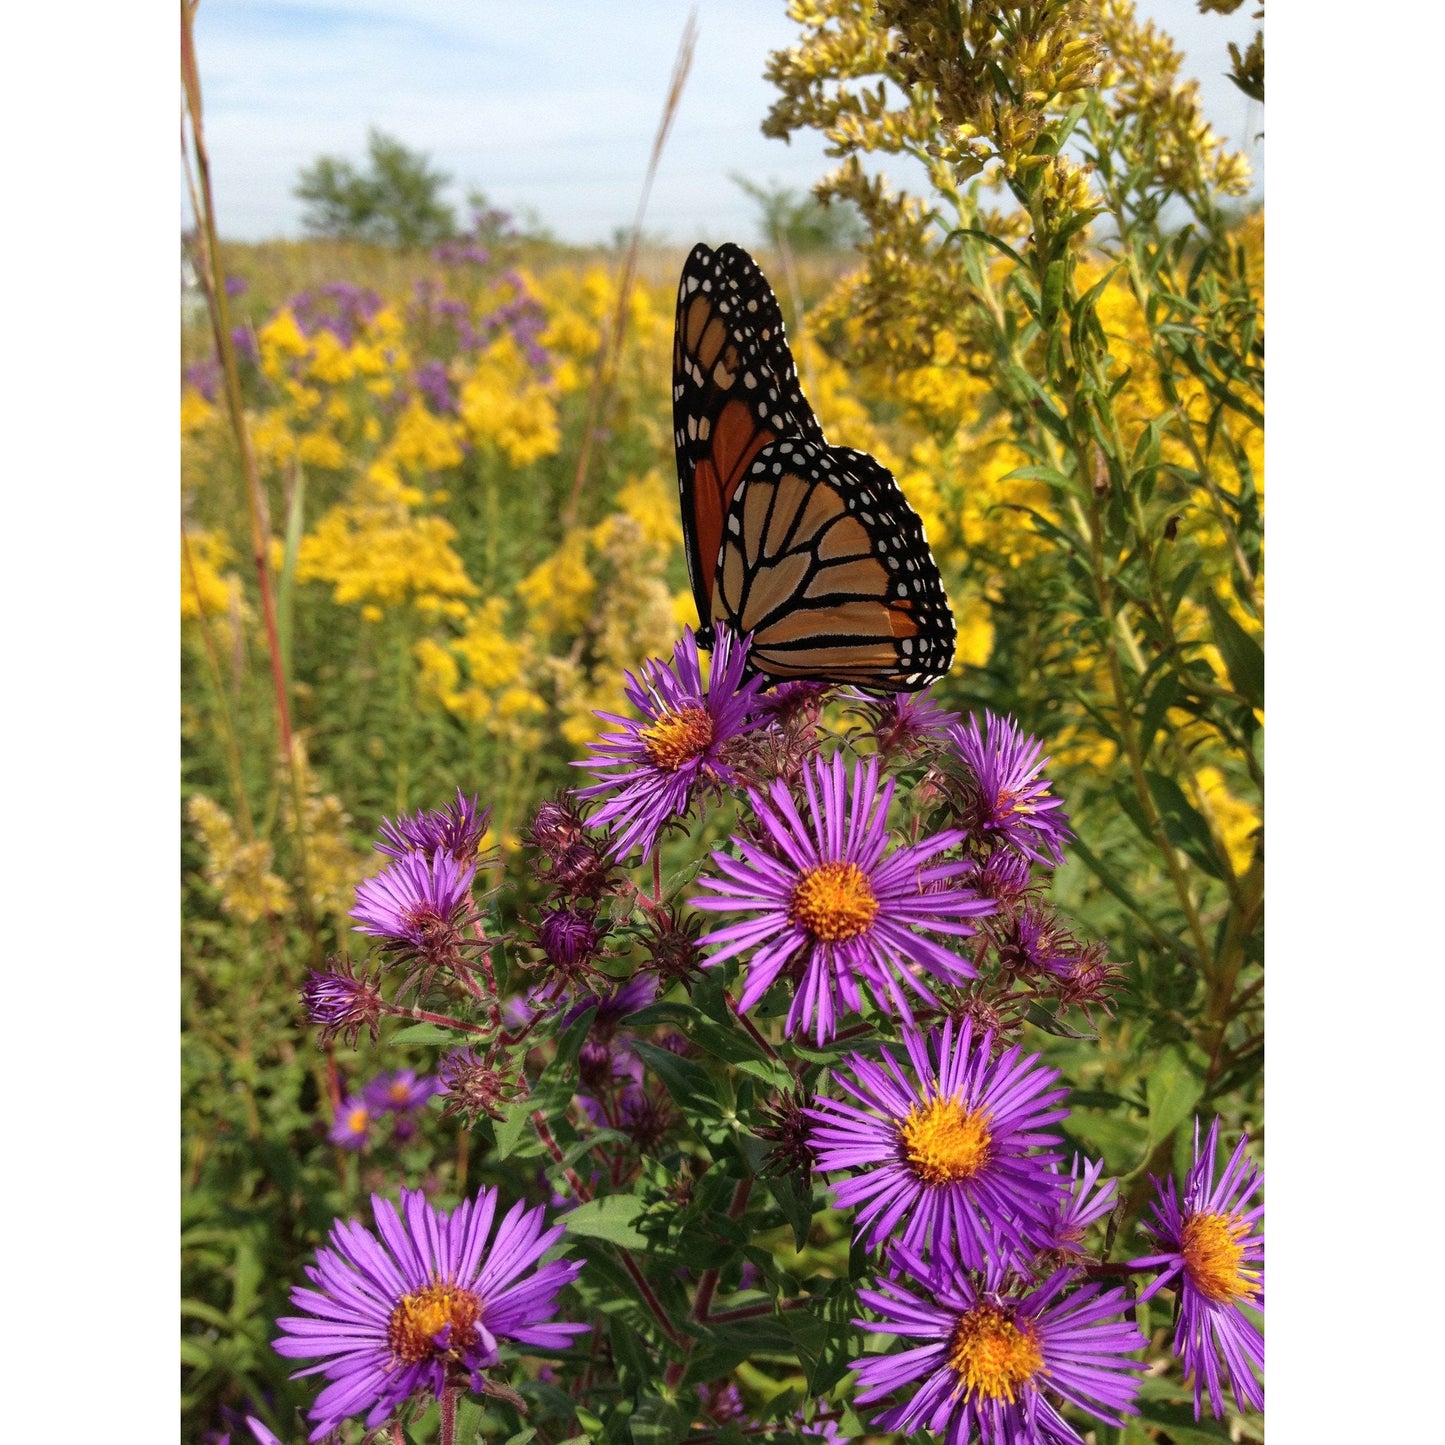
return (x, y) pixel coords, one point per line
(734, 391)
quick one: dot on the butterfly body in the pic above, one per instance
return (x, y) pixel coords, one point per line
(810, 548)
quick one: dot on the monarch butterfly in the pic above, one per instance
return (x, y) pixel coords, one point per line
(811, 548)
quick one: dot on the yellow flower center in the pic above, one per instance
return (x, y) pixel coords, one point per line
(1213, 1257)
(424, 1313)
(945, 1142)
(834, 902)
(992, 1354)
(678, 737)
(356, 1121)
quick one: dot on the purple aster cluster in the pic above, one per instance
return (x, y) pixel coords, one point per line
(423, 1303)
(1212, 1254)
(993, 1358)
(950, 1152)
(432, 381)
(832, 908)
(338, 307)
(654, 766)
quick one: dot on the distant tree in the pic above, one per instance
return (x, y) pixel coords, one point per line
(396, 201)
(800, 221)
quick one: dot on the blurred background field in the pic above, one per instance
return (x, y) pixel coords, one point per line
(468, 516)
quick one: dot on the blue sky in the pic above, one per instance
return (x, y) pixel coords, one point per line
(550, 106)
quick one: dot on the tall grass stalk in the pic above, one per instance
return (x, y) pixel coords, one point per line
(609, 353)
(213, 283)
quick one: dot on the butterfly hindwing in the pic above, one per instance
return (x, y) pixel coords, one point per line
(826, 565)
(734, 392)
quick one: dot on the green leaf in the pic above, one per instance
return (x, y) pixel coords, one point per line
(1242, 655)
(1183, 824)
(657, 1422)
(1165, 694)
(426, 1034)
(1172, 1091)
(470, 1414)
(509, 1129)
(1179, 1421)
(797, 1206)
(689, 1084)
(610, 1218)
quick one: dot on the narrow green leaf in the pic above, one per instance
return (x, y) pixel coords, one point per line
(427, 1034)
(1242, 655)
(286, 587)
(1183, 823)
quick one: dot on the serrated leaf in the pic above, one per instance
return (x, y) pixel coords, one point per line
(610, 1218)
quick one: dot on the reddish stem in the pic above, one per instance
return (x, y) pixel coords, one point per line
(448, 1433)
(748, 1024)
(425, 1016)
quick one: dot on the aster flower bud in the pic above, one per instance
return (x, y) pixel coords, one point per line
(339, 1001)
(475, 1084)
(903, 723)
(1032, 940)
(672, 950)
(787, 1128)
(555, 828)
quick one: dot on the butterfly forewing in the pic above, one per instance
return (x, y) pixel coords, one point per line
(826, 565)
(735, 391)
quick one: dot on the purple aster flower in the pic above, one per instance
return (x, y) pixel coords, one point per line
(1214, 1257)
(414, 901)
(902, 722)
(831, 909)
(456, 829)
(953, 1151)
(236, 286)
(653, 766)
(1005, 799)
(401, 1092)
(338, 1000)
(984, 1356)
(244, 341)
(262, 1434)
(1087, 1200)
(351, 1128)
(205, 377)
(424, 1305)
